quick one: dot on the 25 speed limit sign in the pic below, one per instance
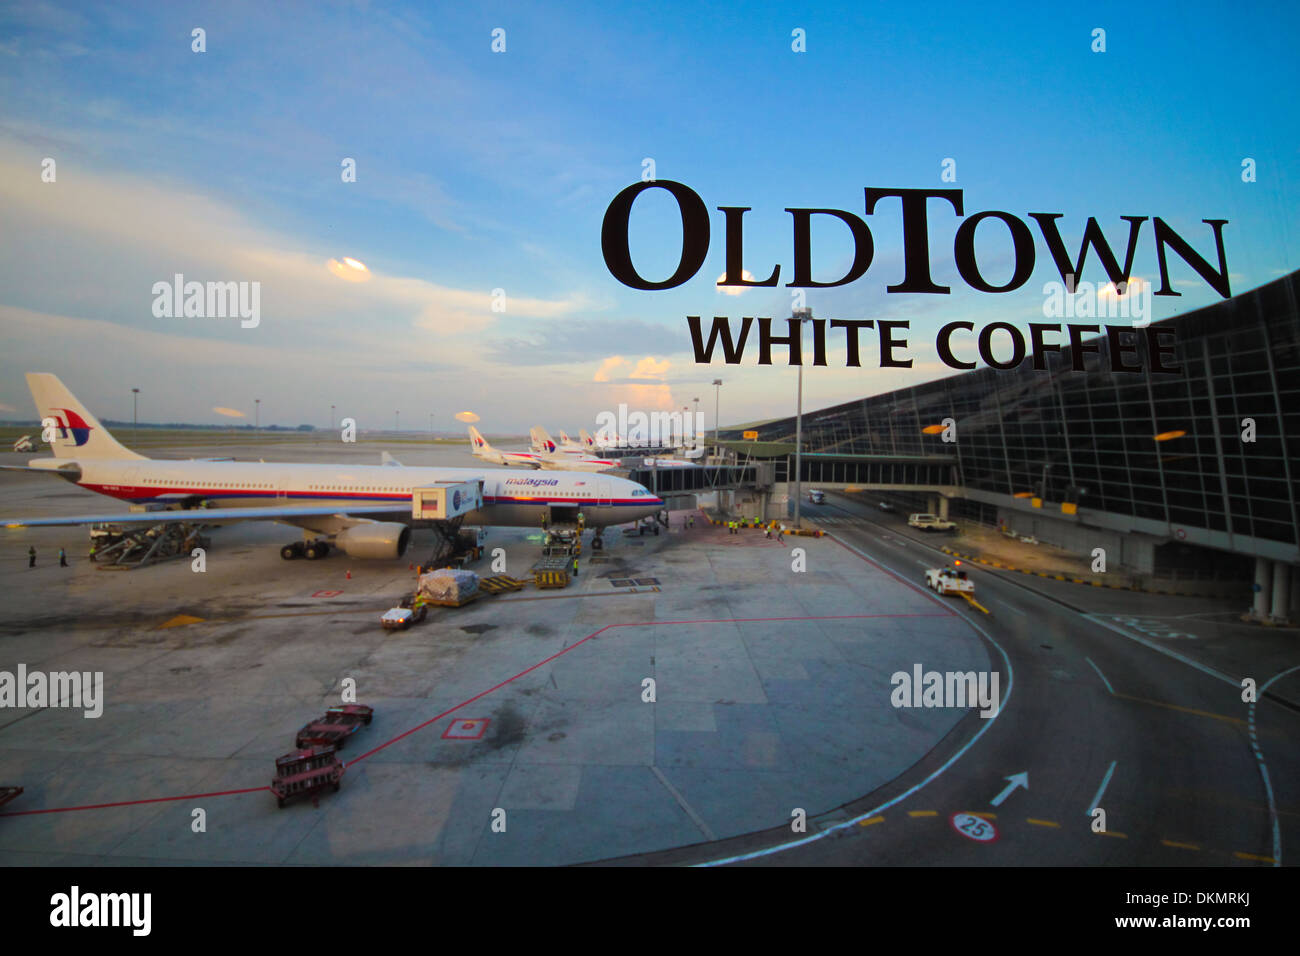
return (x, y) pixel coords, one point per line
(973, 827)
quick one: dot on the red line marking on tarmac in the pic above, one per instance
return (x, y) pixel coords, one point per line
(479, 696)
(132, 803)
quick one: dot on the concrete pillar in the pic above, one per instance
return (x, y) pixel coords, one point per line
(764, 500)
(943, 507)
(932, 504)
(1295, 594)
(1263, 587)
(1281, 591)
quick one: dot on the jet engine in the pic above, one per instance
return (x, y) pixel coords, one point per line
(378, 539)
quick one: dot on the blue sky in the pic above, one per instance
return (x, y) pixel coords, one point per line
(479, 170)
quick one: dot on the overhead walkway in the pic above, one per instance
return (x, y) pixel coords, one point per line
(934, 475)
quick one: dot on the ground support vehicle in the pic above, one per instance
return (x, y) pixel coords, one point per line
(305, 773)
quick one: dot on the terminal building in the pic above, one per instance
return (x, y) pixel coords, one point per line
(1191, 475)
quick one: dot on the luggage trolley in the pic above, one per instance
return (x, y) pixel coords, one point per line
(306, 772)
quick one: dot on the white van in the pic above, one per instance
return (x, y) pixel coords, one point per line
(929, 522)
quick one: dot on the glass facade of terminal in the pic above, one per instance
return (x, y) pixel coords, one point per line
(1171, 448)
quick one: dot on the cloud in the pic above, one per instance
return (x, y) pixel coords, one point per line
(349, 269)
(735, 289)
(1136, 286)
(113, 236)
(649, 368)
(607, 366)
(574, 341)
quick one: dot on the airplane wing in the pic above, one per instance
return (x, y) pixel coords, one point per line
(70, 470)
(210, 515)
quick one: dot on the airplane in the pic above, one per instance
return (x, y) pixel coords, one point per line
(554, 457)
(598, 446)
(366, 510)
(668, 463)
(481, 449)
(568, 444)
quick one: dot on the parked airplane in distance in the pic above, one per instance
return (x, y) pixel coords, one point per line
(482, 449)
(366, 510)
(555, 457)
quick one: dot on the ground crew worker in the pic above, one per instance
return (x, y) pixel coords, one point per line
(767, 533)
(91, 556)
(63, 558)
(31, 557)
(575, 565)
(690, 521)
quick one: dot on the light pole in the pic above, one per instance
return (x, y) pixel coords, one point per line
(135, 417)
(431, 438)
(695, 435)
(331, 418)
(801, 316)
(717, 391)
(397, 421)
(257, 414)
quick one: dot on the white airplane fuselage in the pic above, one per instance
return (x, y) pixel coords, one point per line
(510, 497)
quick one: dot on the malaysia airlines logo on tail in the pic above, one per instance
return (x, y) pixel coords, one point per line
(72, 424)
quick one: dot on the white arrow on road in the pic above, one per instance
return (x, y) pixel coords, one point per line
(1015, 780)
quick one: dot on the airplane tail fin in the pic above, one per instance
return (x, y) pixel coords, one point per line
(540, 437)
(586, 438)
(477, 443)
(75, 432)
(564, 438)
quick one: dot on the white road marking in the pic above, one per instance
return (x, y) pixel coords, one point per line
(1006, 697)
(1105, 782)
(1263, 768)
(1161, 649)
(1101, 675)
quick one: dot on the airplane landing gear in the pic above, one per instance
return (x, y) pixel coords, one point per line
(311, 550)
(597, 542)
